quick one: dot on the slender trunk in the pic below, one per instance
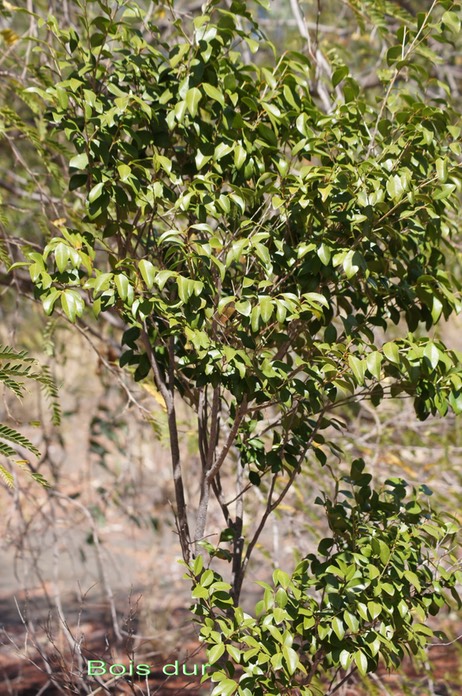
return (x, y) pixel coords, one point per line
(168, 394)
(210, 458)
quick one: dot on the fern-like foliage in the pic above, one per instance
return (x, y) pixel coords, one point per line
(15, 368)
(50, 389)
(5, 258)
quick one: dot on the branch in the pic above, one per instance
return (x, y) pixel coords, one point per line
(270, 506)
(167, 392)
(342, 681)
(229, 440)
(417, 39)
(205, 481)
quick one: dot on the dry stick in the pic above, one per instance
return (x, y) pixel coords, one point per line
(75, 645)
(100, 561)
(30, 629)
(167, 393)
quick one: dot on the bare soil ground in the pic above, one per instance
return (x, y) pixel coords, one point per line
(44, 657)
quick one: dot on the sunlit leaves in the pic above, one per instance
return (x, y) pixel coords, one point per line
(148, 272)
(364, 599)
(192, 99)
(79, 161)
(72, 304)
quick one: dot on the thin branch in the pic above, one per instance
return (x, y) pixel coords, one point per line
(271, 506)
(241, 410)
(342, 682)
(417, 39)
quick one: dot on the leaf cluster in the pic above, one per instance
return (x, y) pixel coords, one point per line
(364, 597)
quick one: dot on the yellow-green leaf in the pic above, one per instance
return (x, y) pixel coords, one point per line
(192, 99)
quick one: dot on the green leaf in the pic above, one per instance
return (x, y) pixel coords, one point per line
(271, 109)
(315, 298)
(391, 352)
(62, 253)
(162, 277)
(384, 552)
(16, 438)
(451, 21)
(374, 363)
(96, 192)
(444, 191)
(72, 304)
(437, 309)
(362, 611)
(291, 658)
(374, 609)
(200, 592)
(361, 662)
(351, 263)
(214, 93)
(351, 621)
(266, 309)
(280, 577)
(255, 318)
(432, 354)
(148, 272)
(192, 99)
(413, 579)
(244, 307)
(395, 187)
(240, 156)
(198, 565)
(324, 253)
(357, 367)
(221, 150)
(124, 171)
(122, 284)
(226, 687)
(339, 74)
(49, 301)
(442, 169)
(234, 653)
(102, 282)
(79, 161)
(216, 652)
(403, 608)
(338, 627)
(345, 659)
(202, 159)
(393, 54)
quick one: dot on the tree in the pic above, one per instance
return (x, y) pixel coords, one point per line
(259, 225)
